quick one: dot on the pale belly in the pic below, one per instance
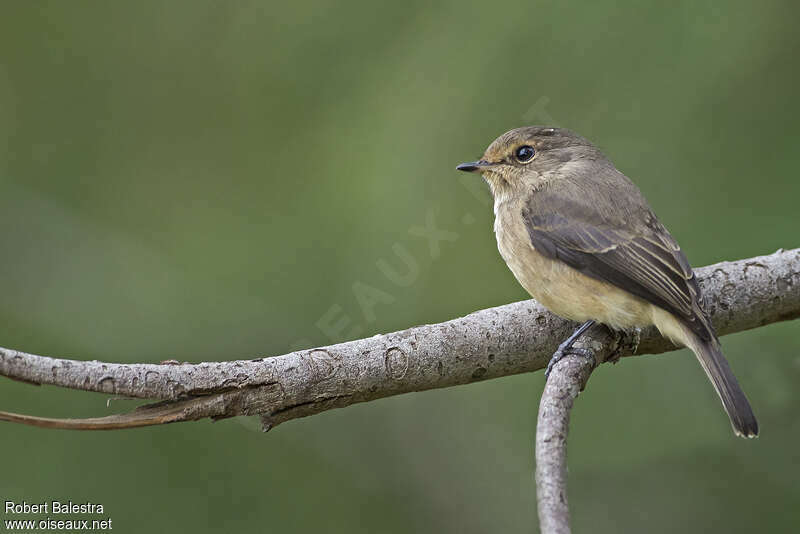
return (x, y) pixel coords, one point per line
(563, 290)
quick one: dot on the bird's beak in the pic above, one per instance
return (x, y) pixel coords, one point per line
(475, 166)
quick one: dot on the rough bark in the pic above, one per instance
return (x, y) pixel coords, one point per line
(510, 339)
(567, 379)
(728, 299)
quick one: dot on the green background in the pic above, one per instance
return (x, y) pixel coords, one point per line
(205, 180)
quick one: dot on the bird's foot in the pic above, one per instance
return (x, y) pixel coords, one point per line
(561, 352)
(566, 348)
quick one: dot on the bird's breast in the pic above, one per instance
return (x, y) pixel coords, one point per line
(557, 286)
(535, 272)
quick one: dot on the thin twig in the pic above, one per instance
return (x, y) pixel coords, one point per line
(567, 379)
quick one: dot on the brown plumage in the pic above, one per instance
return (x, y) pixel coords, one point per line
(582, 240)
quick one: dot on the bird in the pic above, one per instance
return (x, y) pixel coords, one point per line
(580, 237)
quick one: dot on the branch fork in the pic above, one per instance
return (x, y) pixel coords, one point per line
(515, 338)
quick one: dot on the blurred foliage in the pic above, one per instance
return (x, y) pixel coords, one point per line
(206, 180)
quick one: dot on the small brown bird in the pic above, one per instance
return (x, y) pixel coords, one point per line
(582, 240)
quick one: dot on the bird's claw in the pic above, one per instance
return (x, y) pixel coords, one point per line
(566, 348)
(565, 351)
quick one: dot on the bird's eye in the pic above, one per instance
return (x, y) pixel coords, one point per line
(524, 153)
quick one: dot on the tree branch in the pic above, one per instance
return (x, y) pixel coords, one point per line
(567, 379)
(570, 375)
(510, 339)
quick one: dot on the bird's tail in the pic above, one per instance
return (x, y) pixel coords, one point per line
(710, 356)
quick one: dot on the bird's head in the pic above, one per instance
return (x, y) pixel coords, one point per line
(531, 156)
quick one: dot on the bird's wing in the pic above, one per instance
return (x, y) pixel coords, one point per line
(639, 256)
